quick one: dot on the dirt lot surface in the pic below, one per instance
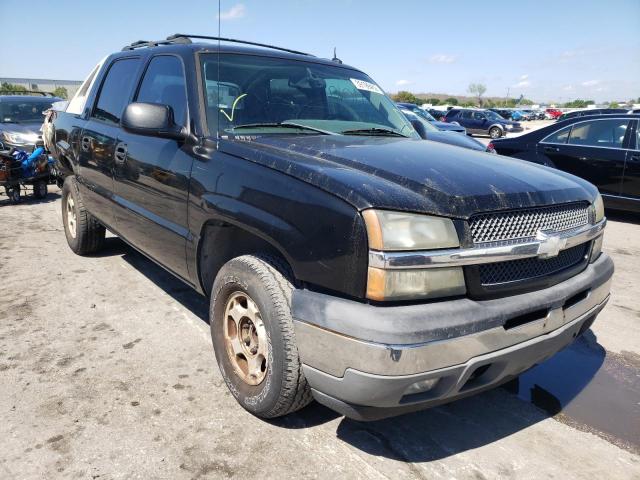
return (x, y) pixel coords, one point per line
(107, 372)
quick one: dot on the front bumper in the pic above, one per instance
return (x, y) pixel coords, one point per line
(361, 359)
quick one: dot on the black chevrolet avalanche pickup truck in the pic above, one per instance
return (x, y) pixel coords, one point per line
(346, 260)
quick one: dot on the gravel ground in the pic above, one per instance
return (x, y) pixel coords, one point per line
(107, 371)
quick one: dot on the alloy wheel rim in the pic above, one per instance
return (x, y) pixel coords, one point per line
(245, 338)
(71, 216)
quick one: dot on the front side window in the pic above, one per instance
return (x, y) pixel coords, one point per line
(559, 136)
(116, 90)
(479, 116)
(164, 84)
(245, 93)
(599, 133)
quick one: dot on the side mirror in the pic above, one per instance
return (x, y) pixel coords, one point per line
(419, 127)
(153, 120)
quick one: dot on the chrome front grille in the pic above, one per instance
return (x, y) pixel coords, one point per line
(524, 224)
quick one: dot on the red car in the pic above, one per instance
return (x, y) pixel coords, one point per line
(553, 112)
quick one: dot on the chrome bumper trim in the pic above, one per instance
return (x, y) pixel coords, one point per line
(545, 246)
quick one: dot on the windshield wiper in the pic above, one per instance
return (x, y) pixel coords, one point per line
(374, 131)
(297, 126)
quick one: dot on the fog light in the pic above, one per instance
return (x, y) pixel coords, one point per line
(596, 249)
(421, 386)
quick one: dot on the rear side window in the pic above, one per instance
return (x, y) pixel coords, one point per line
(560, 136)
(599, 133)
(164, 83)
(116, 90)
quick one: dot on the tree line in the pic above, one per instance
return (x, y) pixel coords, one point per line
(478, 90)
(6, 87)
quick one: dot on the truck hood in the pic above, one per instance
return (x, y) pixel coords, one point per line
(411, 175)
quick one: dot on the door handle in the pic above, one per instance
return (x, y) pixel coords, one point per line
(85, 143)
(552, 149)
(121, 153)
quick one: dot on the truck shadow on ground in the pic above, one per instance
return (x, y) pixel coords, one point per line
(181, 292)
(422, 436)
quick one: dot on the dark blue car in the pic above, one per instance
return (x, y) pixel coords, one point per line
(482, 122)
(412, 107)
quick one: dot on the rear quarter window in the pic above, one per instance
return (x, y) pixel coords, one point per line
(116, 90)
(559, 136)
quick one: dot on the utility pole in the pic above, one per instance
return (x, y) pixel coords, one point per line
(505, 102)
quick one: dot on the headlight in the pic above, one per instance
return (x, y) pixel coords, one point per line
(408, 231)
(20, 138)
(414, 284)
(598, 207)
(393, 231)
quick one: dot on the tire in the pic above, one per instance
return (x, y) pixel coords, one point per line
(40, 189)
(495, 132)
(85, 235)
(282, 388)
(14, 194)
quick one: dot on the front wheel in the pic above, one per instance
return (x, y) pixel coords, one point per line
(495, 132)
(253, 336)
(84, 233)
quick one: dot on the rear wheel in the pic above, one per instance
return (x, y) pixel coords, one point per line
(253, 336)
(495, 132)
(84, 233)
(40, 189)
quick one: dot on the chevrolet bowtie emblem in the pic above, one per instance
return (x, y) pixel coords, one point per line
(550, 244)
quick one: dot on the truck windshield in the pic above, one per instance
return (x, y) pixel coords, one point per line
(247, 94)
(23, 111)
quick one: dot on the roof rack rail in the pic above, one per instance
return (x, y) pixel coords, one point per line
(156, 43)
(182, 38)
(233, 40)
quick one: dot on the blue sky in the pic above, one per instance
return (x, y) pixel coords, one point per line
(547, 50)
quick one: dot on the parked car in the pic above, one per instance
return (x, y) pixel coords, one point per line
(503, 112)
(428, 131)
(482, 122)
(603, 149)
(346, 259)
(21, 117)
(553, 113)
(429, 118)
(591, 111)
(528, 114)
(437, 114)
